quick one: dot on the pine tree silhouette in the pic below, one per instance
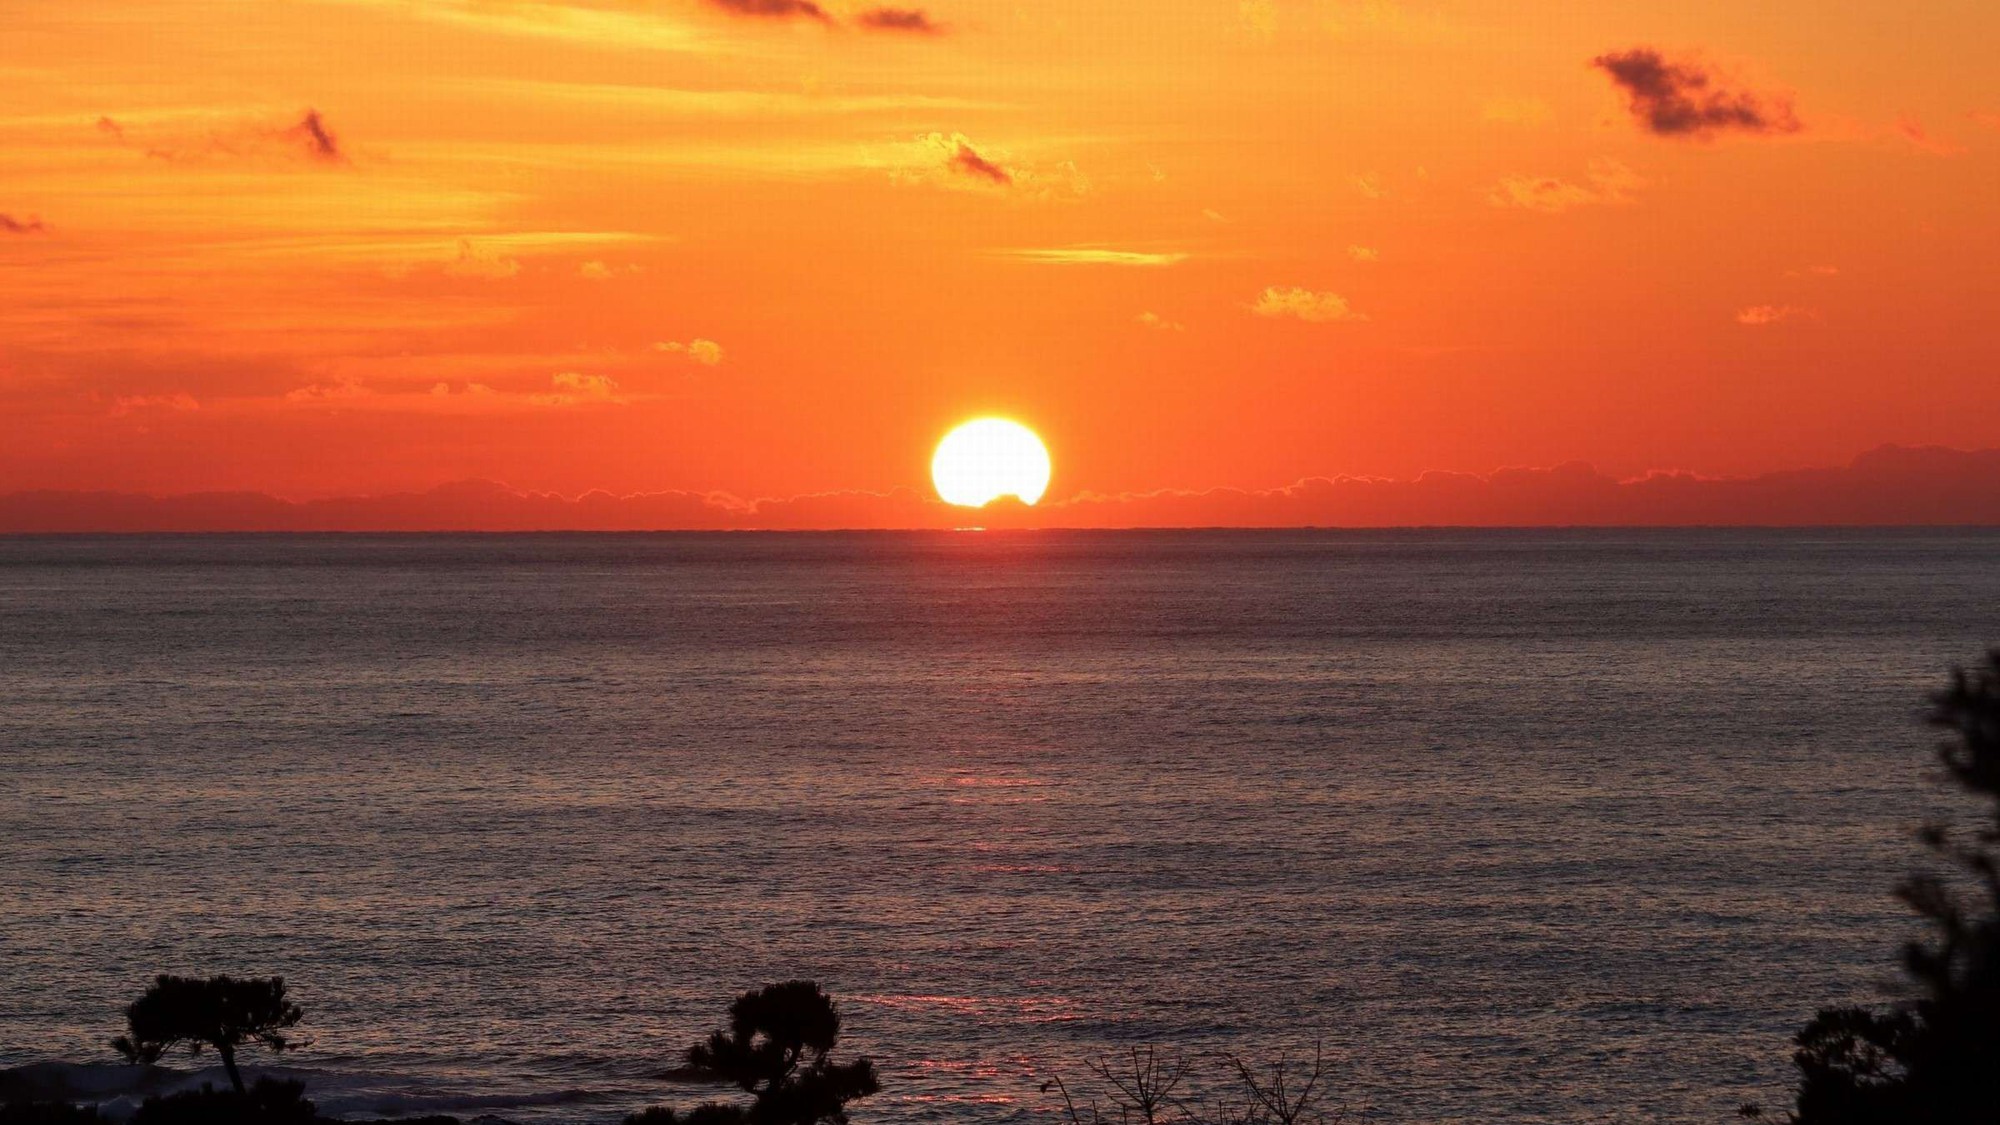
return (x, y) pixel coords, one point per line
(1934, 1059)
(220, 1012)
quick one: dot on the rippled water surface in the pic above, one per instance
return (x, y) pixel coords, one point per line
(1526, 827)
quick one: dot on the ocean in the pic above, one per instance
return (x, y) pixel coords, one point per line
(1519, 826)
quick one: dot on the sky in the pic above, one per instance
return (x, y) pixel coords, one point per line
(771, 249)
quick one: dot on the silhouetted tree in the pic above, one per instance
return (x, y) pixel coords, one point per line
(1934, 1059)
(1144, 1086)
(777, 1049)
(1283, 1095)
(220, 1012)
(1144, 1091)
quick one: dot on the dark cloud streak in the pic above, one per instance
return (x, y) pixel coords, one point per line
(913, 21)
(774, 9)
(11, 225)
(966, 160)
(315, 139)
(1684, 99)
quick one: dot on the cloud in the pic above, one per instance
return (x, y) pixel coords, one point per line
(909, 20)
(480, 262)
(11, 225)
(1890, 486)
(1687, 99)
(574, 388)
(598, 270)
(1098, 256)
(123, 405)
(308, 138)
(952, 160)
(1913, 131)
(1757, 316)
(967, 161)
(1156, 321)
(1815, 271)
(315, 139)
(1607, 181)
(1369, 184)
(1364, 253)
(1305, 304)
(1987, 117)
(471, 391)
(339, 391)
(106, 125)
(774, 9)
(708, 353)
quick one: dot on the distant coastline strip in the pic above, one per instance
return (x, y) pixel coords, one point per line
(1890, 486)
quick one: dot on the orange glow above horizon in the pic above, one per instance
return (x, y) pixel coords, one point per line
(342, 247)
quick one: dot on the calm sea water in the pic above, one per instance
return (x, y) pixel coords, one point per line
(1524, 826)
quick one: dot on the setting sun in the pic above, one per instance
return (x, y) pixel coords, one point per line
(987, 458)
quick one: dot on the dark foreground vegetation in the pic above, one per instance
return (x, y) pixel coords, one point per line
(1932, 1057)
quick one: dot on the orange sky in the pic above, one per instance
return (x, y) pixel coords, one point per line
(339, 247)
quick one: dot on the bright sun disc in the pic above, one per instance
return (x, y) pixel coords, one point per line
(988, 458)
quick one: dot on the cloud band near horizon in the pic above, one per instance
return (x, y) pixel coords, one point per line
(1889, 486)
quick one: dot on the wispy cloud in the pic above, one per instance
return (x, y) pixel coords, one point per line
(1304, 304)
(1686, 98)
(774, 9)
(967, 160)
(180, 401)
(953, 160)
(913, 21)
(11, 225)
(1757, 316)
(572, 23)
(315, 139)
(573, 388)
(1098, 256)
(481, 262)
(1913, 131)
(1607, 181)
(708, 353)
(308, 138)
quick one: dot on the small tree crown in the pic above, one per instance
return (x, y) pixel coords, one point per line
(221, 1012)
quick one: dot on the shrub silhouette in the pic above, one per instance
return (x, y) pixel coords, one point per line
(1935, 1058)
(220, 1012)
(47, 1113)
(1144, 1090)
(266, 1103)
(711, 1113)
(777, 1049)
